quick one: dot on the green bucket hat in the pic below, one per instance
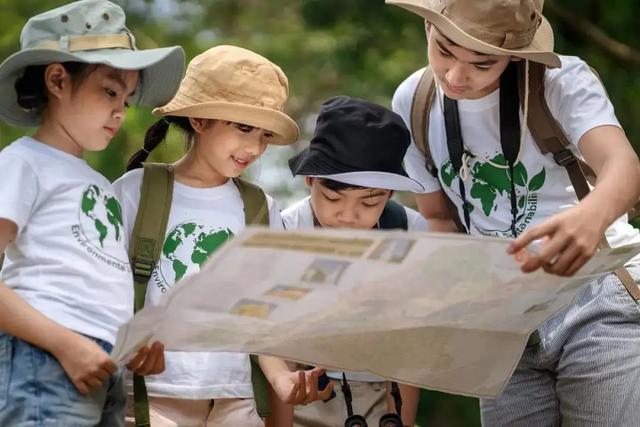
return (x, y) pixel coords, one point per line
(93, 32)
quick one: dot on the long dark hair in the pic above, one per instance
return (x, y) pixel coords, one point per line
(155, 135)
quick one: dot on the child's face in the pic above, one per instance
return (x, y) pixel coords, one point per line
(92, 111)
(228, 148)
(349, 208)
(462, 73)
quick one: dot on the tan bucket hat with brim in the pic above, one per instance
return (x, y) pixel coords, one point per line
(493, 27)
(237, 85)
(93, 32)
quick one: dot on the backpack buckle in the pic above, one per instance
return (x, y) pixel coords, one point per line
(564, 158)
(142, 269)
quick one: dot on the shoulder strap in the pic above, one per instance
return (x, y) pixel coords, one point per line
(420, 109)
(151, 225)
(146, 243)
(394, 216)
(256, 210)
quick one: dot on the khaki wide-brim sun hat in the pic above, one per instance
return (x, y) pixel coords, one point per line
(493, 27)
(92, 32)
(234, 84)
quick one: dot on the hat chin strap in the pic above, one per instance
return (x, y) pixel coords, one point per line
(88, 42)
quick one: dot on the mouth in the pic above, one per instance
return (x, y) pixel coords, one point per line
(458, 90)
(240, 162)
(111, 130)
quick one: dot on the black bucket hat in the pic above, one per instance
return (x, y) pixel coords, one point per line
(359, 143)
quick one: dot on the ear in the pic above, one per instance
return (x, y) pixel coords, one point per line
(390, 194)
(57, 80)
(198, 125)
(308, 181)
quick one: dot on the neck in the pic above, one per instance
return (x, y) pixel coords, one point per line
(194, 171)
(54, 134)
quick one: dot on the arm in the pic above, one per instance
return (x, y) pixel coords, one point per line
(410, 397)
(571, 237)
(84, 361)
(434, 207)
(293, 387)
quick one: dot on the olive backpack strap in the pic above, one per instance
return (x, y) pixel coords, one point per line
(146, 243)
(256, 211)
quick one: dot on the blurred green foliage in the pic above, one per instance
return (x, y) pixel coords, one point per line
(328, 47)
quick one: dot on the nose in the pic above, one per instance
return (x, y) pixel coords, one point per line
(456, 75)
(347, 216)
(119, 112)
(255, 146)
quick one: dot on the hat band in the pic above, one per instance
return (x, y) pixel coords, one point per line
(88, 42)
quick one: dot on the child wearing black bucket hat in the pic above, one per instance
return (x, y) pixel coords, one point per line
(352, 167)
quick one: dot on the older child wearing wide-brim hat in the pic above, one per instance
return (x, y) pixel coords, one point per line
(583, 368)
(230, 106)
(66, 283)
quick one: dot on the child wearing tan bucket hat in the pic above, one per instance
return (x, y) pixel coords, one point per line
(502, 127)
(66, 283)
(231, 107)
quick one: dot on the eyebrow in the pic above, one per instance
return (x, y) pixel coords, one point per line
(116, 78)
(374, 194)
(444, 48)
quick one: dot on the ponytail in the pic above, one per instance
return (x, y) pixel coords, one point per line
(152, 138)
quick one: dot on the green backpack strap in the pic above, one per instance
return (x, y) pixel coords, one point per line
(146, 243)
(256, 211)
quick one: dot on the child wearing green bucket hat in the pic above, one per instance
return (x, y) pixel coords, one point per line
(504, 132)
(66, 282)
(230, 106)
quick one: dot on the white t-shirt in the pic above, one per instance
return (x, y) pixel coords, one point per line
(201, 219)
(300, 216)
(576, 99)
(68, 259)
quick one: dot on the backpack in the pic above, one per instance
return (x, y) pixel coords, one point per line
(146, 243)
(546, 133)
(393, 216)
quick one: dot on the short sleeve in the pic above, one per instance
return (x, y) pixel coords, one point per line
(577, 99)
(18, 189)
(415, 221)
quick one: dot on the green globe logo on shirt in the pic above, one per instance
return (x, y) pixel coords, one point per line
(491, 186)
(188, 246)
(101, 215)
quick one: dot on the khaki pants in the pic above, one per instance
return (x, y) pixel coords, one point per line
(368, 401)
(171, 412)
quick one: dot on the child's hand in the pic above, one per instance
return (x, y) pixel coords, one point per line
(301, 387)
(568, 240)
(85, 362)
(148, 361)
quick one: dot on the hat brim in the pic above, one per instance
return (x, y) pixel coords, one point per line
(302, 164)
(284, 128)
(161, 68)
(383, 180)
(539, 50)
